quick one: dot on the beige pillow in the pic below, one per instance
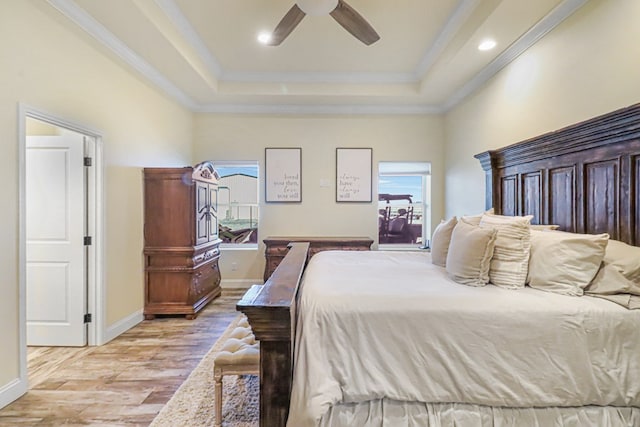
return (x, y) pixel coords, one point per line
(440, 241)
(618, 279)
(625, 258)
(472, 219)
(510, 261)
(470, 253)
(609, 280)
(544, 227)
(475, 219)
(563, 262)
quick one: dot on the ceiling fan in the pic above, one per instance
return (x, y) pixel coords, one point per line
(344, 14)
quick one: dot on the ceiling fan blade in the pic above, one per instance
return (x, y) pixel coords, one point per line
(286, 25)
(353, 22)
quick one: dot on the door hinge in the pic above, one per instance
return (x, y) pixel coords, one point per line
(87, 240)
(87, 161)
(87, 318)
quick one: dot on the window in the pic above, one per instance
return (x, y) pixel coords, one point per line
(404, 200)
(238, 203)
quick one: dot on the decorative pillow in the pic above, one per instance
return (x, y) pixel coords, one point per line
(470, 253)
(563, 262)
(618, 279)
(544, 227)
(440, 241)
(610, 284)
(625, 258)
(510, 261)
(475, 219)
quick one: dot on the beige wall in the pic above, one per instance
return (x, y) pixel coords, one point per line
(51, 68)
(244, 137)
(587, 66)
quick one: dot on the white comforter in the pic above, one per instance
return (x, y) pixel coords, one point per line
(392, 326)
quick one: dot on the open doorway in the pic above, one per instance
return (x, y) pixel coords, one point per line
(61, 257)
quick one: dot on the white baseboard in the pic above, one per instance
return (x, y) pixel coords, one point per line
(122, 326)
(129, 322)
(11, 391)
(239, 283)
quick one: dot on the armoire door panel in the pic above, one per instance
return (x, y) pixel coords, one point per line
(531, 196)
(212, 226)
(202, 213)
(601, 183)
(562, 197)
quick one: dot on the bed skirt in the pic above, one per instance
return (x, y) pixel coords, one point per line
(390, 413)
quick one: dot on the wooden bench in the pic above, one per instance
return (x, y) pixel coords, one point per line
(240, 355)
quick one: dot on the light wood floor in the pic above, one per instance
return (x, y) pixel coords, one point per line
(122, 383)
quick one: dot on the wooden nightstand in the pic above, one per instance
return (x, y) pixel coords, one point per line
(276, 247)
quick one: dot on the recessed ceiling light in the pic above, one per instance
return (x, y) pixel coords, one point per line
(264, 37)
(487, 44)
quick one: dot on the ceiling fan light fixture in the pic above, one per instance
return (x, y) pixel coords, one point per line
(317, 7)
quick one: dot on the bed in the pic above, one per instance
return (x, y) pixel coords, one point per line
(451, 354)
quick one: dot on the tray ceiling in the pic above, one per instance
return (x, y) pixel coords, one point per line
(205, 53)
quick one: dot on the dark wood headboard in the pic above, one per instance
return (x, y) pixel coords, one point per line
(584, 177)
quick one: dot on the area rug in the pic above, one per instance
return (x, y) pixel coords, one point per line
(193, 404)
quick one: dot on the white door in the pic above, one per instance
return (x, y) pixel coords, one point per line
(55, 252)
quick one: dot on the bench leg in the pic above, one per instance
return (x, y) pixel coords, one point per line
(217, 375)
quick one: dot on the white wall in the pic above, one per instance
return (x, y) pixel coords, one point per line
(587, 66)
(54, 69)
(244, 137)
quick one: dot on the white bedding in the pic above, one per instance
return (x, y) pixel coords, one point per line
(378, 328)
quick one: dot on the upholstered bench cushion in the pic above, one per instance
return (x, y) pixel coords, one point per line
(241, 348)
(242, 333)
(238, 352)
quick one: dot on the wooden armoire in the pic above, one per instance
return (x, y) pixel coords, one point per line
(181, 244)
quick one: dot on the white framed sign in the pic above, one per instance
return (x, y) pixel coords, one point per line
(283, 175)
(353, 174)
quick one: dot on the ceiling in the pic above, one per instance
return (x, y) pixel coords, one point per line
(205, 54)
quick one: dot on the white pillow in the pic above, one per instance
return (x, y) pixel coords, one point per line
(440, 241)
(563, 262)
(510, 261)
(470, 253)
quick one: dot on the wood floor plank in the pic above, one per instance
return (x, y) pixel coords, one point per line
(124, 382)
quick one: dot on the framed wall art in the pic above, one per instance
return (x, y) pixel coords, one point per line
(283, 175)
(353, 174)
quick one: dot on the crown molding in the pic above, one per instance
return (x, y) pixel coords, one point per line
(317, 109)
(85, 21)
(319, 77)
(455, 21)
(175, 15)
(528, 39)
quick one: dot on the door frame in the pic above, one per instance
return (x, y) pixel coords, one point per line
(95, 215)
